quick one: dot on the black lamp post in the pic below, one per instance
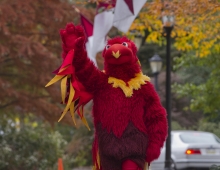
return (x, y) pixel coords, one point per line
(168, 23)
(156, 65)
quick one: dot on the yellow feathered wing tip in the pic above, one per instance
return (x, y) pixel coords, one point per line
(83, 118)
(98, 162)
(85, 123)
(72, 112)
(70, 103)
(71, 95)
(54, 80)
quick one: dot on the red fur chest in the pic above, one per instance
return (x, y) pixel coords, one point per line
(114, 110)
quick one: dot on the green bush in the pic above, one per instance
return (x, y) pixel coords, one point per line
(209, 127)
(29, 146)
(201, 126)
(215, 167)
(79, 148)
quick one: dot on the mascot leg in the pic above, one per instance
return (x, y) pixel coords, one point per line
(130, 165)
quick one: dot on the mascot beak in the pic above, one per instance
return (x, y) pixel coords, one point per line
(116, 54)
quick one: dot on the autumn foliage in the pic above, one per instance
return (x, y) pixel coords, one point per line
(29, 51)
(196, 24)
(30, 44)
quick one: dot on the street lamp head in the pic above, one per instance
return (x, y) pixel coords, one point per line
(138, 41)
(138, 38)
(168, 20)
(155, 64)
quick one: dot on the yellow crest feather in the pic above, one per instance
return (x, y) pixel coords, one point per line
(133, 84)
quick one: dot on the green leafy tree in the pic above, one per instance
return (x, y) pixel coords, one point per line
(27, 144)
(200, 83)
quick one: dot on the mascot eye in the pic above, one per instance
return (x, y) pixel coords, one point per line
(107, 47)
(125, 44)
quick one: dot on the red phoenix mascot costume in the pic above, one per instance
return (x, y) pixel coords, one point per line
(130, 122)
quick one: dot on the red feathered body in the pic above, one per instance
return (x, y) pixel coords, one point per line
(131, 127)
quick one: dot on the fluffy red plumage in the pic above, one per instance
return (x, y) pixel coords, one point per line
(126, 127)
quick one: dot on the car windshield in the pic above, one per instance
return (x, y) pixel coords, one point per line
(198, 138)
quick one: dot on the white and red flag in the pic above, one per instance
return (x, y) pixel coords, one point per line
(88, 27)
(125, 13)
(102, 24)
(120, 13)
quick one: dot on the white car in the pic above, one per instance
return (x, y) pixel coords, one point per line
(191, 150)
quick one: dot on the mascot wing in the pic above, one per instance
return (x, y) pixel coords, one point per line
(73, 93)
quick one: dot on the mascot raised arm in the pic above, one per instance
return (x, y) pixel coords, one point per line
(130, 122)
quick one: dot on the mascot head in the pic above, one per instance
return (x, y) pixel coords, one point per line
(120, 58)
(120, 50)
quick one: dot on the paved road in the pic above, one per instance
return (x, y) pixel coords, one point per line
(83, 168)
